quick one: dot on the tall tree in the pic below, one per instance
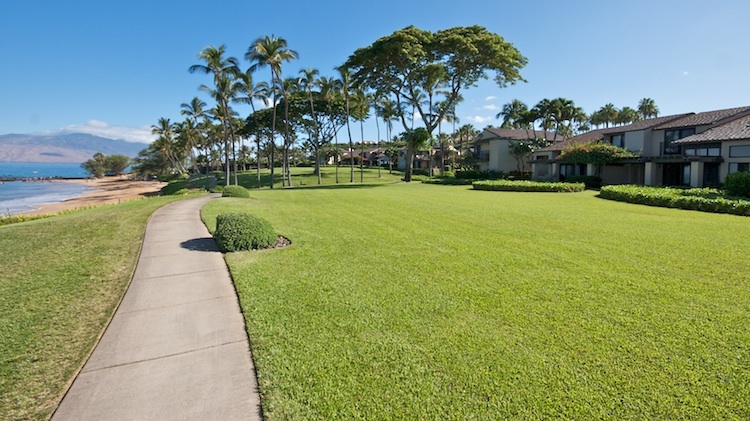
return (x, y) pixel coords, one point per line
(647, 107)
(608, 114)
(194, 110)
(444, 62)
(512, 114)
(253, 91)
(346, 87)
(222, 68)
(272, 52)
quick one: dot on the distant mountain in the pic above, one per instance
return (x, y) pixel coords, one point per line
(74, 147)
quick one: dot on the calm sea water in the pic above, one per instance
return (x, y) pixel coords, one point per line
(24, 196)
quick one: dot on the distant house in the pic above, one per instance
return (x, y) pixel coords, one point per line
(492, 149)
(665, 157)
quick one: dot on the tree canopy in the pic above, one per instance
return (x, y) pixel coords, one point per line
(427, 70)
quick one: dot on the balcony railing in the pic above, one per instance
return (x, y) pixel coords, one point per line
(670, 149)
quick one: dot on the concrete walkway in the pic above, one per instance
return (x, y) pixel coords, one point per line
(176, 347)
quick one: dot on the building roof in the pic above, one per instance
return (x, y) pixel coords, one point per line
(648, 123)
(706, 118)
(518, 134)
(736, 129)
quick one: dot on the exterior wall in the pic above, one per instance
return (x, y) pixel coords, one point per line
(724, 167)
(501, 158)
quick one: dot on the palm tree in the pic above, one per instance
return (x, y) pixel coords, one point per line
(330, 88)
(194, 110)
(226, 91)
(346, 83)
(259, 91)
(272, 52)
(165, 143)
(223, 70)
(288, 87)
(648, 109)
(628, 115)
(307, 81)
(361, 112)
(512, 114)
(386, 109)
(608, 114)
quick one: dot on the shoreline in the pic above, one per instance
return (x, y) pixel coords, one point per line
(107, 190)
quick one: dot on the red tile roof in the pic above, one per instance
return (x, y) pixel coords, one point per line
(737, 129)
(519, 134)
(648, 123)
(705, 118)
(590, 136)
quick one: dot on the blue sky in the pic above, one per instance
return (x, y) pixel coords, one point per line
(114, 68)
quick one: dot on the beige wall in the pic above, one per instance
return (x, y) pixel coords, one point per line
(501, 159)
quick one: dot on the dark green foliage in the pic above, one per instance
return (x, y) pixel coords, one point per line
(594, 153)
(591, 181)
(450, 181)
(243, 231)
(738, 184)
(235, 191)
(217, 189)
(705, 200)
(527, 186)
(480, 175)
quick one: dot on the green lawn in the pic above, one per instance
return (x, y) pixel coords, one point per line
(416, 301)
(60, 280)
(304, 176)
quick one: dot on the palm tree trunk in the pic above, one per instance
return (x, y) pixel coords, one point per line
(362, 155)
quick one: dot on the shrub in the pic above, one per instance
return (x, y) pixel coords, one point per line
(448, 181)
(235, 191)
(420, 171)
(705, 200)
(217, 189)
(591, 181)
(481, 175)
(738, 184)
(527, 186)
(184, 191)
(243, 231)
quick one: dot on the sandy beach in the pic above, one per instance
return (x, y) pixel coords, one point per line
(108, 190)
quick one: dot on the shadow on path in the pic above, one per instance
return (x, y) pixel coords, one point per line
(200, 244)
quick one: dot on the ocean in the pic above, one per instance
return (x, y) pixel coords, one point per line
(24, 196)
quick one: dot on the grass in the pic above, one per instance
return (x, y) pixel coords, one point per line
(415, 301)
(60, 281)
(304, 176)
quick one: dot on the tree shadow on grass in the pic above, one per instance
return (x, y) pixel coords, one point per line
(336, 186)
(200, 244)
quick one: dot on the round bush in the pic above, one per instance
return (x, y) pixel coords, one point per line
(738, 184)
(243, 231)
(235, 191)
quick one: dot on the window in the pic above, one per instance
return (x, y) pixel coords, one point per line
(672, 135)
(739, 166)
(540, 157)
(739, 151)
(570, 170)
(619, 140)
(703, 150)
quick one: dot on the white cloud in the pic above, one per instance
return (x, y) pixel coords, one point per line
(139, 134)
(490, 98)
(479, 119)
(491, 107)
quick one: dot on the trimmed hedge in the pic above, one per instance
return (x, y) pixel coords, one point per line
(235, 191)
(527, 186)
(448, 181)
(704, 200)
(243, 231)
(738, 184)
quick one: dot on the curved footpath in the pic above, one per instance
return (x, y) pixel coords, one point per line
(176, 347)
